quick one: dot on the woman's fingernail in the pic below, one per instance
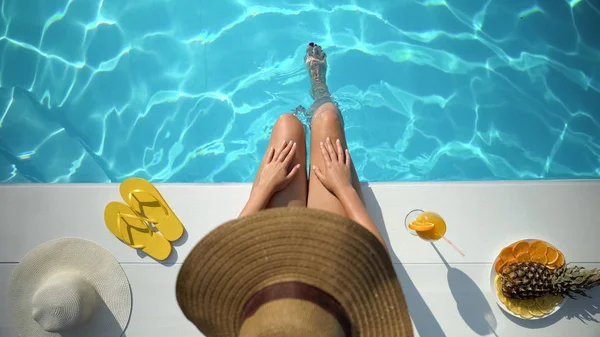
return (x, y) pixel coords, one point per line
(321, 143)
(298, 166)
(327, 139)
(291, 141)
(338, 141)
(294, 144)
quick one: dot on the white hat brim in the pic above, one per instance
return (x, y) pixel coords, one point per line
(90, 261)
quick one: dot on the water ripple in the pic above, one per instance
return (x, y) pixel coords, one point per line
(101, 90)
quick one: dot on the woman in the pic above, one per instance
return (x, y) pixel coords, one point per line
(333, 184)
(303, 259)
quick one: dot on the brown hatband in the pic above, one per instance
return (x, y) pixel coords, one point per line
(302, 291)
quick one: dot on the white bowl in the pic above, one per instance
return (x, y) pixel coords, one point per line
(502, 306)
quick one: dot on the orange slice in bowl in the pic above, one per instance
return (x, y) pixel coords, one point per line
(547, 310)
(506, 253)
(552, 255)
(509, 262)
(560, 261)
(555, 300)
(536, 311)
(421, 226)
(499, 265)
(547, 303)
(523, 257)
(501, 297)
(524, 312)
(538, 247)
(529, 303)
(498, 286)
(543, 259)
(514, 305)
(543, 301)
(520, 248)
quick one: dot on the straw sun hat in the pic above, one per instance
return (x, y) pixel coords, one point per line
(293, 272)
(69, 287)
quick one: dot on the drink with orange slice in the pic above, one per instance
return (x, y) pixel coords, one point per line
(429, 226)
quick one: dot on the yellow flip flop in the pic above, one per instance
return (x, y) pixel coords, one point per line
(146, 201)
(132, 230)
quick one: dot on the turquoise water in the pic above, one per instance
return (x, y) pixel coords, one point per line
(188, 90)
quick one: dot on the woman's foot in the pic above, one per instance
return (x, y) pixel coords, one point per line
(316, 64)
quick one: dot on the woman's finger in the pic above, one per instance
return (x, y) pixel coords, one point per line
(330, 148)
(269, 154)
(325, 153)
(340, 151)
(284, 152)
(279, 149)
(318, 173)
(348, 160)
(290, 155)
(293, 172)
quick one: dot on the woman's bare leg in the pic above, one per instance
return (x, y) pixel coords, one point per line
(287, 128)
(326, 122)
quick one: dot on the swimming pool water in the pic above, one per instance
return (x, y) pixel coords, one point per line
(188, 90)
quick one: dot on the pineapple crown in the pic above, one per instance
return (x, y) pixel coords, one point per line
(575, 280)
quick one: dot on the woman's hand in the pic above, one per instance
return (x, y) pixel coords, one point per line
(275, 174)
(336, 175)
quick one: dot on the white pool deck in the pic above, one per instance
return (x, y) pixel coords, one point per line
(443, 300)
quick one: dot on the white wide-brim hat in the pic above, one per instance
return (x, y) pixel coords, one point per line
(69, 287)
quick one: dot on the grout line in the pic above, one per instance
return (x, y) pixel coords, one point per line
(127, 263)
(500, 182)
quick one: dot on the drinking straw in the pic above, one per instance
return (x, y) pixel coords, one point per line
(453, 245)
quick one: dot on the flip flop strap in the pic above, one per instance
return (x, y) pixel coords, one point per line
(140, 213)
(123, 227)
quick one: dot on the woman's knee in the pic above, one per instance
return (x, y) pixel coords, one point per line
(290, 123)
(327, 115)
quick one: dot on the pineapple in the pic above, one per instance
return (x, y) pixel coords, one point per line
(524, 280)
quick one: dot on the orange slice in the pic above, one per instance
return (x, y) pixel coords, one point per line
(523, 257)
(524, 312)
(560, 261)
(543, 259)
(514, 305)
(547, 310)
(529, 303)
(555, 300)
(546, 303)
(509, 262)
(499, 265)
(501, 296)
(520, 248)
(509, 304)
(421, 226)
(498, 286)
(525, 306)
(538, 247)
(536, 311)
(552, 255)
(506, 253)
(543, 301)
